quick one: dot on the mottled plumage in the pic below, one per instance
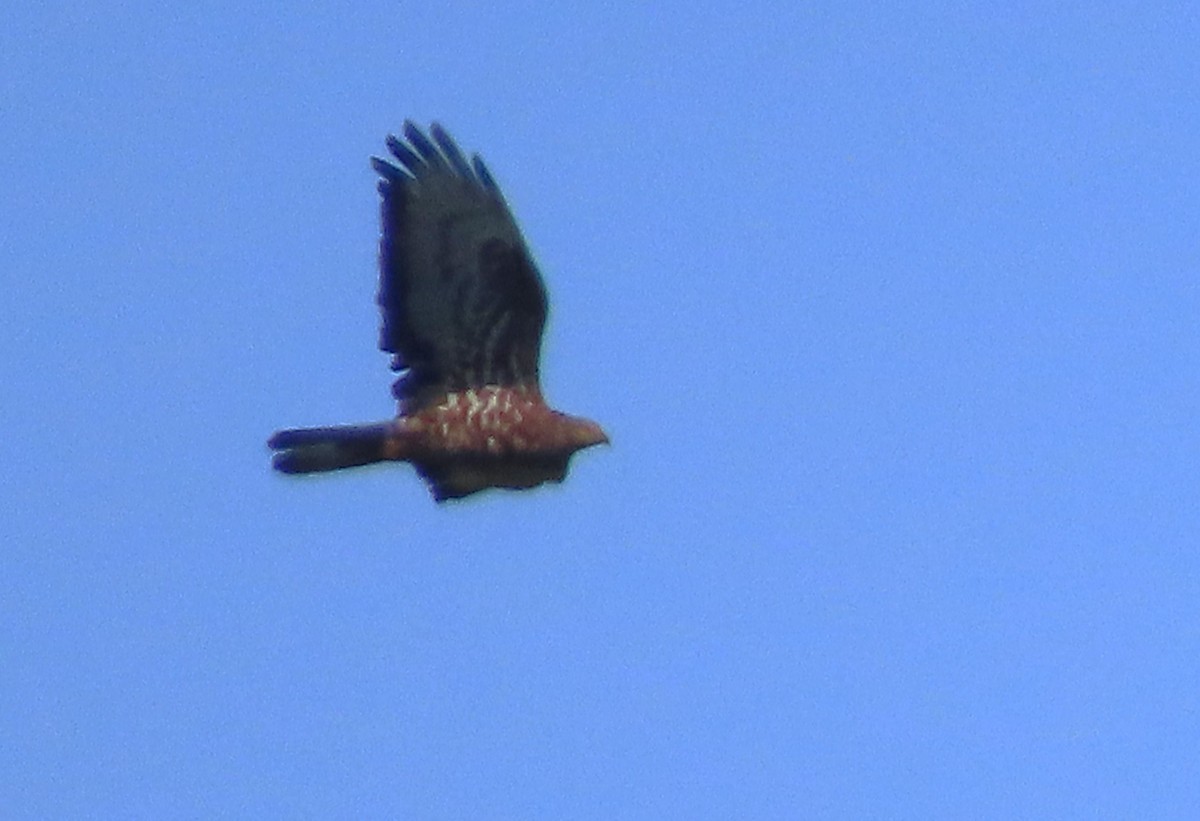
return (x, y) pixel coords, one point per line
(463, 312)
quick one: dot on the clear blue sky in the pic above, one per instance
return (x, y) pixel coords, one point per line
(891, 314)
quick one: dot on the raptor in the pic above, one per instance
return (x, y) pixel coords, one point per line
(464, 308)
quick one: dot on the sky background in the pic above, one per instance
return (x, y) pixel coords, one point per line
(890, 311)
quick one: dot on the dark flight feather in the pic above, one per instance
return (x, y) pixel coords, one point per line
(463, 303)
(314, 450)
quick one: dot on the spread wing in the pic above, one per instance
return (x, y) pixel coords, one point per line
(463, 303)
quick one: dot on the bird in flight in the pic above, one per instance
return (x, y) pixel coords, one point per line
(463, 310)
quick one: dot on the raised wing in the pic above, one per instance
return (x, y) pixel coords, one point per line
(463, 303)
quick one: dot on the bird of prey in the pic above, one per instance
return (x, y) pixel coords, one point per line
(463, 311)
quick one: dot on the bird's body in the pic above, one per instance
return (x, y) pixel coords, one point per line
(463, 312)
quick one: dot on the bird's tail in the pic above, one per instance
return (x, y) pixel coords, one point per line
(314, 450)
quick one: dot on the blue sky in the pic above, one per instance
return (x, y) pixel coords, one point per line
(891, 314)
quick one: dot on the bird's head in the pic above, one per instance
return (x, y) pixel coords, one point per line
(584, 433)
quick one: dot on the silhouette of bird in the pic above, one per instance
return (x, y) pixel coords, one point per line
(463, 309)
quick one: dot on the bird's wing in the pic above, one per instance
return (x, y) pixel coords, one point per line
(463, 303)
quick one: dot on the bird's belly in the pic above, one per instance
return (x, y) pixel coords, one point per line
(472, 475)
(458, 475)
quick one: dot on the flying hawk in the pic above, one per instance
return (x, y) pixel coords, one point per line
(463, 311)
